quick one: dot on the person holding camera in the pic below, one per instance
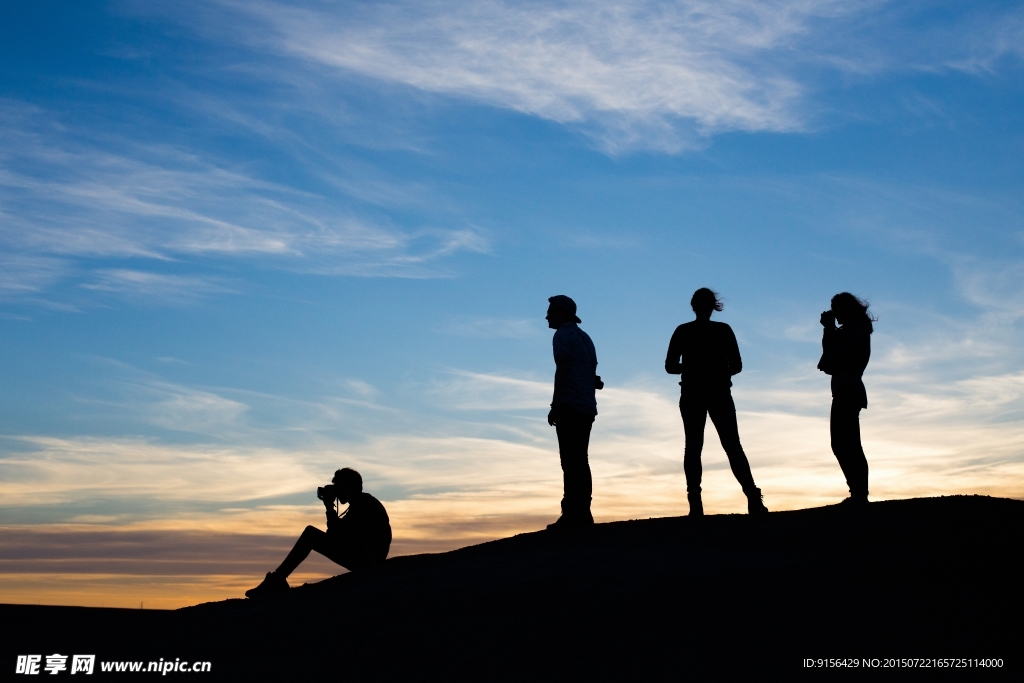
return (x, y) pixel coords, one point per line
(845, 351)
(705, 356)
(573, 408)
(358, 538)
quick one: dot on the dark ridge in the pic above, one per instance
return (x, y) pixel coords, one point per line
(714, 597)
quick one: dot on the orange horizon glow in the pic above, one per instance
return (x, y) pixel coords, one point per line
(483, 489)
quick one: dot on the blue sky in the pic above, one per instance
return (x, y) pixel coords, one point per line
(243, 244)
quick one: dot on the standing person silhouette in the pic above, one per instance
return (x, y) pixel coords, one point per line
(845, 351)
(573, 408)
(705, 356)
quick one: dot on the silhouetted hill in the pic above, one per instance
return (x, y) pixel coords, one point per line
(923, 578)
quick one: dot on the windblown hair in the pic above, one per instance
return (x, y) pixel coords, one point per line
(705, 299)
(856, 307)
(349, 478)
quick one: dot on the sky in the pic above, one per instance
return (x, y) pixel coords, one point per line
(243, 244)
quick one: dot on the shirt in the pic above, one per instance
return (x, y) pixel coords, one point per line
(575, 369)
(365, 524)
(844, 355)
(704, 354)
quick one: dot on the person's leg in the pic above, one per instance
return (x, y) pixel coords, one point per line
(324, 543)
(311, 539)
(844, 425)
(723, 415)
(695, 415)
(300, 551)
(573, 430)
(694, 412)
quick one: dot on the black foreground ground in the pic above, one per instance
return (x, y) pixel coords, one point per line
(673, 598)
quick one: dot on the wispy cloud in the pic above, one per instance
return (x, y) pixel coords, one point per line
(194, 410)
(70, 196)
(635, 74)
(490, 328)
(24, 274)
(995, 286)
(938, 437)
(154, 287)
(483, 391)
(492, 471)
(985, 38)
(69, 470)
(635, 70)
(923, 435)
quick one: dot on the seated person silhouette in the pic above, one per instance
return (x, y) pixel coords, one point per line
(358, 538)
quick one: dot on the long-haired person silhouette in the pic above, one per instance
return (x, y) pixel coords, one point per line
(845, 351)
(705, 356)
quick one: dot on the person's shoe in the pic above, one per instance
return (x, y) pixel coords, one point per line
(755, 503)
(273, 584)
(696, 505)
(854, 502)
(578, 520)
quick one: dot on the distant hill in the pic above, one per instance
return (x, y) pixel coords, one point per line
(674, 597)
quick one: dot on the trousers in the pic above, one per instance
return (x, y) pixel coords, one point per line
(331, 546)
(695, 406)
(573, 430)
(844, 425)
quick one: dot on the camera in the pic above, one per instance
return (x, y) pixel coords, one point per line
(326, 493)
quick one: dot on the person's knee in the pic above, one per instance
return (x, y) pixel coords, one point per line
(576, 466)
(843, 437)
(733, 449)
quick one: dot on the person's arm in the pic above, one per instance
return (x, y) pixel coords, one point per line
(333, 520)
(562, 354)
(553, 412)
(861, 351)
(560, 371)
(733, 357)
(675, 352)
(828, 341)
(556, 397)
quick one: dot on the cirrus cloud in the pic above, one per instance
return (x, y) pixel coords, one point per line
(634, 74)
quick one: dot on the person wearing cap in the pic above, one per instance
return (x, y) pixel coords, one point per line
(573, 408)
